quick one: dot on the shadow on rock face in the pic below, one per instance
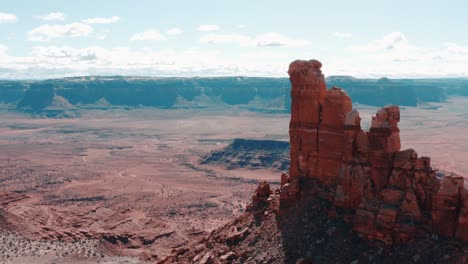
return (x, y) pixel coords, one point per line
(310, 236)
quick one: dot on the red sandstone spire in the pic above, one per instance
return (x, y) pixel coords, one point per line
(390, 193)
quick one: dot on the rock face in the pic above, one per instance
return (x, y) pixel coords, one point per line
(260, 198)
(389, 194)
(252, 154)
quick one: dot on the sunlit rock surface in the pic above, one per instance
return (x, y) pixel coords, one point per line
(389, 194)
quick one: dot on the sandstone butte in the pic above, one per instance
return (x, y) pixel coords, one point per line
(389, 194)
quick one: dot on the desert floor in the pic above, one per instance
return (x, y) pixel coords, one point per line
(134, 174)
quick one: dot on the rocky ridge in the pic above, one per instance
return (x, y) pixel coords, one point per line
(116, 232)
(309, 235)
(351, 196)
(389, 194)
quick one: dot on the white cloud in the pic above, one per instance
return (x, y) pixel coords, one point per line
(449, 59)
(343, 35)
(276, 40)
(241, 26)
(262, 40)
(59, 61)
(174, 31)
(150, 34)
(7, 18)
(102, 20)
(47, 32)
(264, 55)
(208, 28)
(3, 54)
(391, 41)
(54, 16)
(60, 55)
(225, 39)
(455, 48)
(393, 55)
(3, 50)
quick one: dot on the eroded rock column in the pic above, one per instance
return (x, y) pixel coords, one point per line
(390, 195)
(317, 124)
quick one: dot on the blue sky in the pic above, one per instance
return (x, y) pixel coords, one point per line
(55, 38)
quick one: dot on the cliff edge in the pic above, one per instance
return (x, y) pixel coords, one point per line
(389, 194)
(351, 196)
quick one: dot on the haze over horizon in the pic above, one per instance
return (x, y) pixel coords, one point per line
(50, 39)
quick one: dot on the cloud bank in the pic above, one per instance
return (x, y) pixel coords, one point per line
(7, 18)
(54, 16)
(262, 40)
(47, 32)
(150, 34)
(102, 20)
(391, 55)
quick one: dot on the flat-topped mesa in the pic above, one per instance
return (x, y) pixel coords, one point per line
(390, 194)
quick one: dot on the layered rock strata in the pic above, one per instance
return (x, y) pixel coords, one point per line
(389, 194)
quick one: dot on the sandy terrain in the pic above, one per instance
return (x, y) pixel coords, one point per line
(131, 178)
